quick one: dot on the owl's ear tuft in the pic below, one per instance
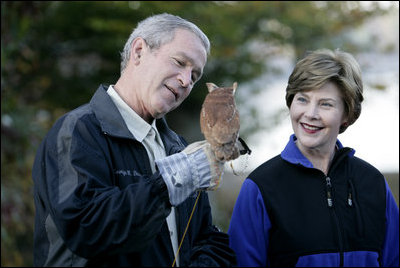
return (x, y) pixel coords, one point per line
(234, 87)
(211, 87)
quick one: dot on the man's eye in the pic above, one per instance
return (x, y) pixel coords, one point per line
(179, 62)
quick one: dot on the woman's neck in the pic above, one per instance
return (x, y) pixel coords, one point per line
(321, 160)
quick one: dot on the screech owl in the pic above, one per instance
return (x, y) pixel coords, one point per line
(219, 121)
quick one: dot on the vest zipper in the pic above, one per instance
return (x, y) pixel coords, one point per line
(329, 199)
(329, 192)
(352, 203)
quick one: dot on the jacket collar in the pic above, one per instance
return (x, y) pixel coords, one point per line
(172, 142)
(107, 113)
(292, 154)
(113, 124)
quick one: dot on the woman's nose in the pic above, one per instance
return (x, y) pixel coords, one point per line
(312, 111)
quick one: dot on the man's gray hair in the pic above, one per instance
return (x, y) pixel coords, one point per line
(158, 30)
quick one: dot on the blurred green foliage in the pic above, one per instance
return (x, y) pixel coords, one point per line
(54, 55)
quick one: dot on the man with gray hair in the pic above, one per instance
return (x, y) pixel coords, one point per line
(113, 184)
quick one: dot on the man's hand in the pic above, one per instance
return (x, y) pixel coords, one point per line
(195, 168)
(216, 167)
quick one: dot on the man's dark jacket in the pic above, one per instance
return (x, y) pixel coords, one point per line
(98, 203)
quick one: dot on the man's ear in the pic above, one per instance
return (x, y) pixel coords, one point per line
(137, 49)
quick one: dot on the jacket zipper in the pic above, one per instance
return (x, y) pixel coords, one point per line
(352, 203)
(329, 199)
(339, 156)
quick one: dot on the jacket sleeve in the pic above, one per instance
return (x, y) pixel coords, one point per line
(92, 215)
(210, 246)
(249, 227)
(390, 252)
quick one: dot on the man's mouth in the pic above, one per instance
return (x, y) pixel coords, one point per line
(173, 92)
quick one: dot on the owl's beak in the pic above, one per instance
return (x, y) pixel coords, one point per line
(243, 148)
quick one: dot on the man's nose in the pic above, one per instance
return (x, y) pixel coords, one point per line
(185, 78)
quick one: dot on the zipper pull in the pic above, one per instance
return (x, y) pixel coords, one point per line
(350, 193)
(349, 200)
(329, 192)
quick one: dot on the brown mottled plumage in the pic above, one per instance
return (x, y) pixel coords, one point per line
(219, 121)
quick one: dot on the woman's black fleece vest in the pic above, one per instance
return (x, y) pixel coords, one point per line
(305, 222)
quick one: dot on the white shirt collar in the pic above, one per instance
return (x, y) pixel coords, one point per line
(136, 125)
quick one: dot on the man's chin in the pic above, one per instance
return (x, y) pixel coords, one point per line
(165, 109)
(161, 114)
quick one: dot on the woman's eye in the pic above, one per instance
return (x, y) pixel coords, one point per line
(301, 99)
(327, 104)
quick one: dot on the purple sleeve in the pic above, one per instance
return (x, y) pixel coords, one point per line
(390, 252)
(249, 227)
